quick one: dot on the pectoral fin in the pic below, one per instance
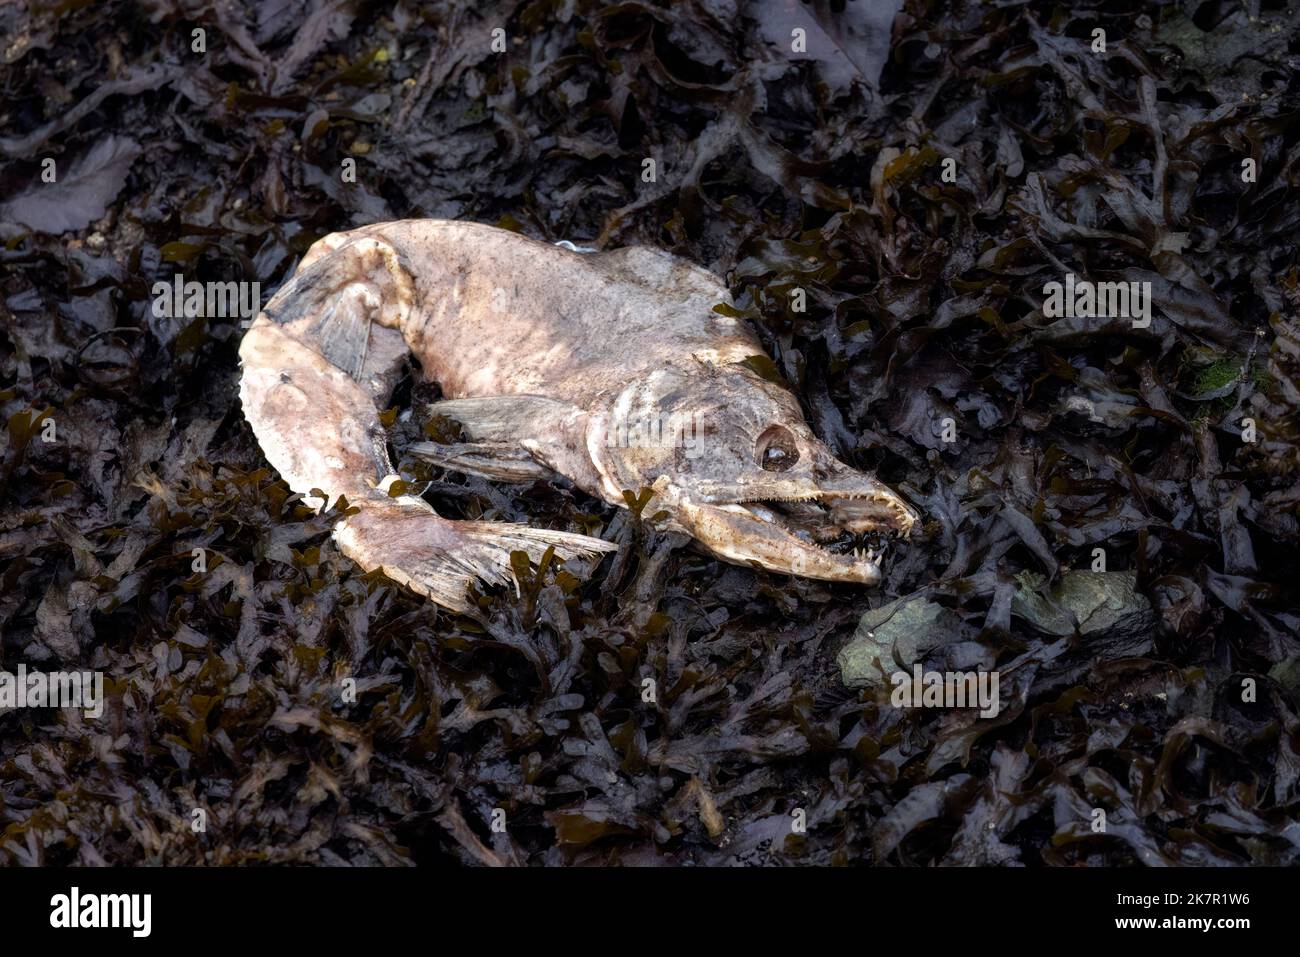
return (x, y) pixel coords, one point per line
(507, 431)
(497, 461)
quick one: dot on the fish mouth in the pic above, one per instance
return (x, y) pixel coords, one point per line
(871, 512)
(832, 534)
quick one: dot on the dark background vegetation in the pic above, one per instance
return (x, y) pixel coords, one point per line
(821, 171)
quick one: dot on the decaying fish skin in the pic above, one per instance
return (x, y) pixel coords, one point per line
(612, 369)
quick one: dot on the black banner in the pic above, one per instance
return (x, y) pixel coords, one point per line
(333, 906)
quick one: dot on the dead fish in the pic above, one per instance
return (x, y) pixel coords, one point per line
(610, 368)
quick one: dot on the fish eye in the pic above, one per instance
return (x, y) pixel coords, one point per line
(776, 450)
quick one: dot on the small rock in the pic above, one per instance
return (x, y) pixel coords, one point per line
(913, 625)
(1099, 601)
(1287, 673)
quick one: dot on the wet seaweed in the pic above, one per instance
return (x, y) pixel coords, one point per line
(821, 171)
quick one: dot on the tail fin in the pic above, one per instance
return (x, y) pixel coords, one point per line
(439, 558)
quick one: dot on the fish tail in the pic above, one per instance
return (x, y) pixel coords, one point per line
(318, 359)
(440, 558)
(315, 365)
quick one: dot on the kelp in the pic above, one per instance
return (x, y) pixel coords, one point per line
(661, 707)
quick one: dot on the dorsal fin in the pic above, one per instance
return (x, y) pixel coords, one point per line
(337, 297)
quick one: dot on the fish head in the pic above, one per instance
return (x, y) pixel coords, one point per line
(732, 463)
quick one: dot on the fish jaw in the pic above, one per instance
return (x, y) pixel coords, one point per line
(753, 534)
(852, 502)
(727, 497)
(861, 504)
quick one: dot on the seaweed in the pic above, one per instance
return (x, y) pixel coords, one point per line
(662, 707)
